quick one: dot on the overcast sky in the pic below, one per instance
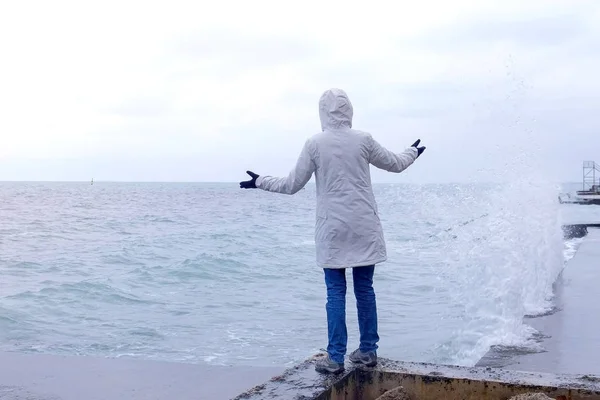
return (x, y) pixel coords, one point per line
(203, 90)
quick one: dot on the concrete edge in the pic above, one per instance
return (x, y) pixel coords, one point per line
(302, 382)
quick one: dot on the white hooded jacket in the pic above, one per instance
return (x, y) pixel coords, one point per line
(348, 231)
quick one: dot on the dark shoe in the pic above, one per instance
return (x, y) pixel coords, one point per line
(328, 366)
(368, 359)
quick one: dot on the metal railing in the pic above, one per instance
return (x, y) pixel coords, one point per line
(590, 182)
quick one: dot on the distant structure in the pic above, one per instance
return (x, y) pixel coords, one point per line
(590, 191)
(590, 183)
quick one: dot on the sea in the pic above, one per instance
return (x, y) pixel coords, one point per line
(212, 274)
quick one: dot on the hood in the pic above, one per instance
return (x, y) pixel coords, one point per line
(335, 110)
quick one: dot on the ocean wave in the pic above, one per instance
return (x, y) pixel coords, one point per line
(72, 293)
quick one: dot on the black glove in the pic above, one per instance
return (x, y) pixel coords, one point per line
(419, 149)
(251, 184)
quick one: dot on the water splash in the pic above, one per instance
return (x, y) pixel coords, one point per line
(502, 267)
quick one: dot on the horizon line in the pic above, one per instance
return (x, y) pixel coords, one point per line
(237, 182)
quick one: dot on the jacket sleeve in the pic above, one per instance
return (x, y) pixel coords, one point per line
(297, 178)
(384, 159)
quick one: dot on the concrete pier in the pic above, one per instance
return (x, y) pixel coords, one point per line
(421, 381)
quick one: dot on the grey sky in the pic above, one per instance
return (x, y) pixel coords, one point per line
(200, 91)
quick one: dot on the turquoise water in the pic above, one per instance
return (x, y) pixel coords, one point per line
(209, 273)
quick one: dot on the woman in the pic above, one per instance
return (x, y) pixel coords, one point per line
(348, 232)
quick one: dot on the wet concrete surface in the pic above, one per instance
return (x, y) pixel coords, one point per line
(47, 377)
(302, 382)
(573, 231)
(534, 378)
(570, 336)
(298, 382)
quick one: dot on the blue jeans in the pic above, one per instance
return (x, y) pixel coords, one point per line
(335, 279)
